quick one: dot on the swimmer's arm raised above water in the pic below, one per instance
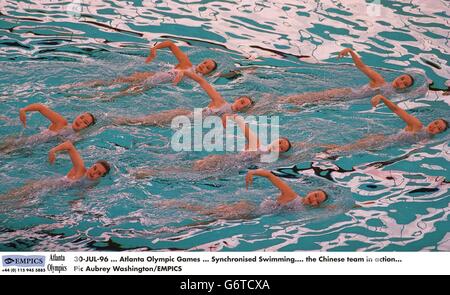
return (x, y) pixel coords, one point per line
(375, 78)
(252, 138)
(183, 59)
(413, 123)
(216, 99)
(78, 170)
(57, 120)
(286, 192)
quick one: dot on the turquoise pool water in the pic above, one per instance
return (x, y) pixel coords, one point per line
(390, 199)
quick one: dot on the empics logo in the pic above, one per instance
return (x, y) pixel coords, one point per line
(23, 261)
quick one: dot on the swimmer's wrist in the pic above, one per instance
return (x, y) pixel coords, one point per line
(67, 145)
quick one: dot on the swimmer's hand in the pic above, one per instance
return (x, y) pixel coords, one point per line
(51, 156)
(151, 56)
(249, 179)
(224, 120)
(376, 100)
(344, 52)
(65, 146)
(178, 78)
(257, 172)
(23, 117)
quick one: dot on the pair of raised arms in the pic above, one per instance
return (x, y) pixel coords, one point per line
(286, 192)
(252, 138)
(58, 121)
(413, 124)
(376, 79)
(78, 170)
(183, 59)
(184, 66)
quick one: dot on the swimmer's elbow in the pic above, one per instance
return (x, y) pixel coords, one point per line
(69, 145)
(166, 43)
(39, 107)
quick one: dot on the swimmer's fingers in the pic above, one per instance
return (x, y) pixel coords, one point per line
(376, 100)
(224, 121)
(149, 59)
(248, 179)
(151, 56)
(344, 52)
(23, 117)
(51, 157)
(178, 78)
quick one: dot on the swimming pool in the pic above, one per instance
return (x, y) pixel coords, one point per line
(393, 199)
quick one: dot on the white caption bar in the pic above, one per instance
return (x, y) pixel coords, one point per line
(240, 263)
